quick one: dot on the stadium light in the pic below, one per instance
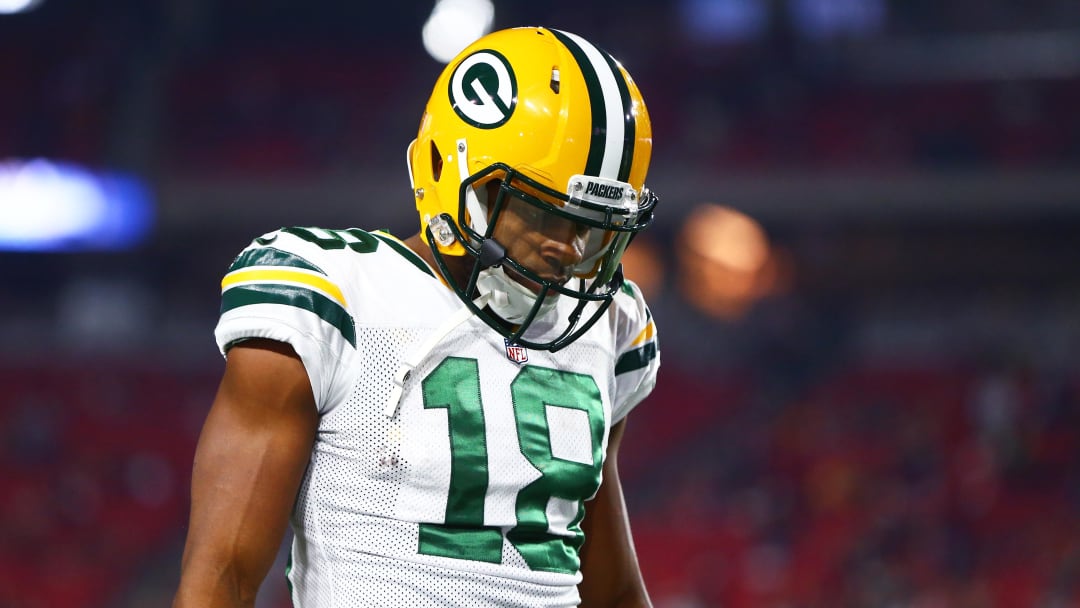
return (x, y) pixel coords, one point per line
(12, 7)
(55, 206)
(726, 262)
(454, 24)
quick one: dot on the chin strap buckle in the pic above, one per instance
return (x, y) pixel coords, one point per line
(491, 253)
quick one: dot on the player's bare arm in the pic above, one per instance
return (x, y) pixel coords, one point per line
(250, 459)
(612, 577)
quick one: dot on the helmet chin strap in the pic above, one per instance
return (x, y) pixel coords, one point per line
(509, 299)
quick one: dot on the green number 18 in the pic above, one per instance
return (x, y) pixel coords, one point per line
(455, 386)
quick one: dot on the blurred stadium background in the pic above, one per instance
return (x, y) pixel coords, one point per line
(865, 270)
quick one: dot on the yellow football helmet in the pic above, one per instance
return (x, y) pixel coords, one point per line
(560, 125)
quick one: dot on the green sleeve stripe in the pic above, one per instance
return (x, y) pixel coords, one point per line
(268, 256)
(405, 252)
(300, 297)
(636, 359)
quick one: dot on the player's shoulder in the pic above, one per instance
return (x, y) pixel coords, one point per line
(629, 301)
(637, 349)
(325, 251)
(632, 319)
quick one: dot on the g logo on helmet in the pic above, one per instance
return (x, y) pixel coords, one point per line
(483, 90)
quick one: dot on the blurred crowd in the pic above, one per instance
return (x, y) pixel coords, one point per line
(881, 486)
(863, 484)
(197, 87)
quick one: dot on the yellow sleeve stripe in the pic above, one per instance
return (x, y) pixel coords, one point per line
(646, 334)
(259, 275)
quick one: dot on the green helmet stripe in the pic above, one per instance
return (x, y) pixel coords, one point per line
(628, 118)
(612, 144)
(594, 162)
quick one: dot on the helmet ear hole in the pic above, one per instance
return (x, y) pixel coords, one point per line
(436, 162)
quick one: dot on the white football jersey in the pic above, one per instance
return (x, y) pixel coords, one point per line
(463, 482)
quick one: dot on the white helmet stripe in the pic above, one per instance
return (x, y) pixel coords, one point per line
(615, 113)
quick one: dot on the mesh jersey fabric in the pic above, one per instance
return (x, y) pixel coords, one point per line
(471, 494)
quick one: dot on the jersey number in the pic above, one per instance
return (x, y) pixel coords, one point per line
(455, 386)
(353, 238)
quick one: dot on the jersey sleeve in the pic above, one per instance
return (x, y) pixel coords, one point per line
(638, 353)
(279, 288)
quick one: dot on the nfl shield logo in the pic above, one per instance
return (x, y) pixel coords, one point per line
(517, 354)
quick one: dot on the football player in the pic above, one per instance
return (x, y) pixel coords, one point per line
(438, 417)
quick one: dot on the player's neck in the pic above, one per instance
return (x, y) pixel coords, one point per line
(458, 265)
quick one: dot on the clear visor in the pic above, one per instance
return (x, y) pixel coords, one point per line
(599, 217)
(584, 232)
(545, 243)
